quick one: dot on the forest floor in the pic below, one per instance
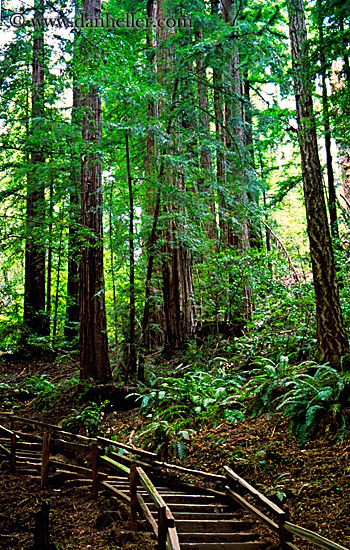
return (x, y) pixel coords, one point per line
(314, 480)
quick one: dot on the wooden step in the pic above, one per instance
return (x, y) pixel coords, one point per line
(217, 526)
(195, 508)
(140, 489)
(217, 537)
(183, 498)
(206, 515)
(223, 545)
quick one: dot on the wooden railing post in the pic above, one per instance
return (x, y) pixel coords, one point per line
(94, 466)
(284, 535)
(13, 452)
(162, 528)
(133, 496)
(45, 457)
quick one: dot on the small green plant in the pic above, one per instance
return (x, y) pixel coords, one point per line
(44, 391)
(197, 394)
(165, 438)
(88, 418)
(175, 406)
(312, 397)
(268, 381)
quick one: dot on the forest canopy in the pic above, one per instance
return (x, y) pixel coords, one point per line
(174, 172)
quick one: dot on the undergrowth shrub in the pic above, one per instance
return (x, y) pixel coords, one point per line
(89, 418)
(44, 391)
(176, 406)
(313, 398)
(268, 381)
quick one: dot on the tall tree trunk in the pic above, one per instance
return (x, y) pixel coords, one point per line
(131, 369)
(94, 358)
(49, 255)
(236, 171)
(255, 237)
(331, 337)
(177, 261)
(205, 182)
(59, 261)
(332, 198)
(34, 317)
(71, 329)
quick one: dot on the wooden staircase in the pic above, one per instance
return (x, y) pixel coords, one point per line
(183, 517)
(203, 521)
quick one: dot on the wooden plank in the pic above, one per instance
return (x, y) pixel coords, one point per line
(209, 526)
(114, 464)
(150, 488)
(94, 467)
(208, 475)
(132, 450)
(5, 451)
(119, 494)
(199, 516)
(255, 493)
(45, 460)
(29, 446)
(254, 511)
(223, 545)
(312, 537)
(198, 508)
(51, 427)
(173, 539)
(175, 498)
(148, 514)
(219, 537)
(169, 517)
(133, 498)
(162, 528)
(77, 469)
(6, 431)
(129, 461)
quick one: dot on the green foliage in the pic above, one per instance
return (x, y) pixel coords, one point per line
(322, 395)
(44, 391)
(164, 437)
(269, 380)
(198, 394)
(175, 405)
(89, 418)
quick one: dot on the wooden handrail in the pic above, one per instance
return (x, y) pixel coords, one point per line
(165, 529)
(52, 427)
(209, 475)
(312, 537)
(150, 488)
(115, 464)
(6, 431)
(253, 510)
(272, 507)
(132, 450)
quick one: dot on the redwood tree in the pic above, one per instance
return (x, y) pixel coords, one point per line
(331, 337)
(34, 317)
(94, 358)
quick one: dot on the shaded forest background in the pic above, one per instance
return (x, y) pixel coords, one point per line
(183, 186)
(174, 221)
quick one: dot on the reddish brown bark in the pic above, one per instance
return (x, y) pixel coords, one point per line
(205, 183)
(34, 317)
(71, 329)
(177, 261)
(94, 358)
(331, 337)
